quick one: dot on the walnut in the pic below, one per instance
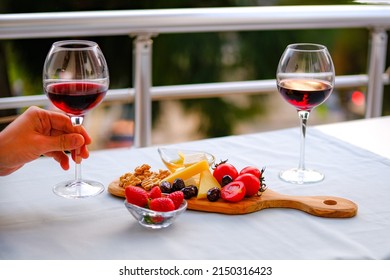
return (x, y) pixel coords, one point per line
(162, 174)
(143, 177)
(129, 179)
(149, 183)
(144, 168)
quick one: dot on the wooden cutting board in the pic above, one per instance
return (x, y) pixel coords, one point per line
(322, 206)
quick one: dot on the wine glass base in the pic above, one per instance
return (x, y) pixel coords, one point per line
(78, 189)
(301, 176)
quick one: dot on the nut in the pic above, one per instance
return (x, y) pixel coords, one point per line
(143, 177)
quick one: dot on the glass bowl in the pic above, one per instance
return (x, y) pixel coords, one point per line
(154, 219)
(175, 159)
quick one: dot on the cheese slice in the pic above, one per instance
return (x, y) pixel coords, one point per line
(207, 181)
(189, 171)
(194, 180)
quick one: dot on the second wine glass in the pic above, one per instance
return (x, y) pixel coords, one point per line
(305, 78)
(76, 79)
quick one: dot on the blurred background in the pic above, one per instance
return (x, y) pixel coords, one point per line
(192, 58)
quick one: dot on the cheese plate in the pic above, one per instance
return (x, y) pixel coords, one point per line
(322, 206)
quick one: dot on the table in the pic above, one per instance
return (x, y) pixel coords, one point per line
(36, 224)
(369, 134)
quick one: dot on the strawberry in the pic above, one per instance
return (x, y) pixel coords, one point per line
(162, 204)
(136, 195)
(177, 198)
(155, 192)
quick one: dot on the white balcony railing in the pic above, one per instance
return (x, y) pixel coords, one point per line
(143, 25)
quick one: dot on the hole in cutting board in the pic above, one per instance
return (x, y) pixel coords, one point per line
(330, 202)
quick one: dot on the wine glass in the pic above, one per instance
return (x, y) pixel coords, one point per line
(305, 79)
(76, 79)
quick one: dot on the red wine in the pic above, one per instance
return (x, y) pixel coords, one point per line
(304, 94)
(76, 98)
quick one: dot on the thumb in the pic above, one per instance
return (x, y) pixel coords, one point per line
(71, 141)
(64, 142)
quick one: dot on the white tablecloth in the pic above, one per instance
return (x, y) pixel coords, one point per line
(36, 224)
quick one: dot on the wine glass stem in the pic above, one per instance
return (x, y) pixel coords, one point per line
(78, 166)
(77, 121)
(303, 116)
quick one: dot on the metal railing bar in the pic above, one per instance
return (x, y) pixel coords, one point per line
(377, 65)
(208, 90)
(243, 87)
(125, 22)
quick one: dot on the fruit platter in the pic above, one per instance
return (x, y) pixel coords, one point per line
(220, 187)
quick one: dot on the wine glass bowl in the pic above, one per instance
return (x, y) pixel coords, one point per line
(305, 79)
(304, 94)
(84, 96)
(76, 79)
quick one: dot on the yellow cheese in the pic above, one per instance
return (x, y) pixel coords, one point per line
(189, 171)
(207, 181)
(194, 180)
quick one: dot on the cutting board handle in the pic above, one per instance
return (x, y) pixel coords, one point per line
(323, 206)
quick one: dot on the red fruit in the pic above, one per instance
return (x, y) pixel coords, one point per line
(177, 197)
(223, 169)
(233, 192)
(162, 204)
(252, 170)
(136, 195)
(251, 182)
(155, 192)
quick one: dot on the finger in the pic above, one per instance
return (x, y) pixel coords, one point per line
(60, 143)
(61, 122)
(66, 142)
(87, 139)
(81, 153)
(84, 152)
(80, 129)
(53, 120)
(61, 158)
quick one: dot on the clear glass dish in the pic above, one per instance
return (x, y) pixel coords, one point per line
(175, 159)
(154, 219)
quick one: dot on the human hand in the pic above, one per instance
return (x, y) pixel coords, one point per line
(40, 132)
